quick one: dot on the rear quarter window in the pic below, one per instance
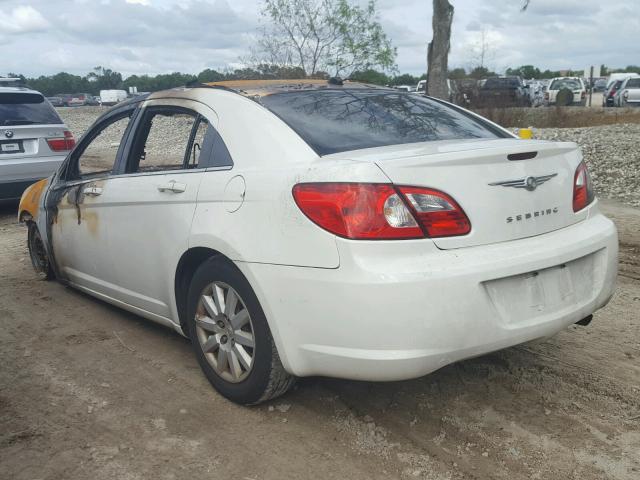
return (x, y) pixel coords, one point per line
(26, 109)
(333, 121)
(633, 83)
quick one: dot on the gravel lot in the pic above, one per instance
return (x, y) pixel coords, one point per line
(90, 391)
(612, 151)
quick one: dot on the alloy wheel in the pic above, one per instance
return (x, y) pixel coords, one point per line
(225, 332)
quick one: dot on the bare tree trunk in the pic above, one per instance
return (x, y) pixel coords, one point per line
(438, 52)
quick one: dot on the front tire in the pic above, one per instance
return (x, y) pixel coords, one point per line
(38, 254)
(230, 335)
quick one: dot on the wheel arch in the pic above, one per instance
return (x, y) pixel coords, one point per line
(187, 266)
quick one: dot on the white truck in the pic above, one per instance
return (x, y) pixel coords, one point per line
(112, 97)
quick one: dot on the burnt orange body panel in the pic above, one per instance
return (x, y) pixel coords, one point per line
(30, 200)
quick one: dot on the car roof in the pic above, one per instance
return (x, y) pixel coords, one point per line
(18, 90)
(269, 87)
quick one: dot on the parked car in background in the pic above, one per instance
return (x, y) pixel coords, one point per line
(81, 99)
(56, 101)
(33, 140)
(307, 232)
(565, 91)
(608, 96)
(404, 88)
(112, 97)
(600, 85)
(65, 97)
(503, 92)
(630, 92)
(614, 82)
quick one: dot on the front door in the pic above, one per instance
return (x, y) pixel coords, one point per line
(78, 205)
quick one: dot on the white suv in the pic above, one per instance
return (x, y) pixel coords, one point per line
(573, 92)
(33, 140)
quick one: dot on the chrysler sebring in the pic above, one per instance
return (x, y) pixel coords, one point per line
(296, 228)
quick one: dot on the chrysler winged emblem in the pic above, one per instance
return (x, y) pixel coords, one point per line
(528, 183)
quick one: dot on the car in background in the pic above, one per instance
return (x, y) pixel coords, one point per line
(307, 231)
(629, 92)
(609, 95)
(404, 88)
(600, 85)
(56, 101)
(33, 140)
(66, 98)
(112, 97)
(81, 99)
(503, 92)
(566, 91)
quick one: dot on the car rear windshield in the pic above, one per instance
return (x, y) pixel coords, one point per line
(26, 109)
(332, 121)
(633, 83)
(496, 83)
(570, 83)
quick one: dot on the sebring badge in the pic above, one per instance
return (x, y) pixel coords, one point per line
(528, 183)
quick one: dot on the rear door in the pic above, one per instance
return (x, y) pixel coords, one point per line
(153, 200)
(633, 90)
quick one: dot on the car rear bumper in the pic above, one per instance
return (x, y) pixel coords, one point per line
(393, 316)
(18, 173)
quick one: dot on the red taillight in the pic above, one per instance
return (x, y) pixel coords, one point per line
(582, 189)
(62, 144)
(583, 95)
(612, 92)
(380, 211)
(546, 95)
(437, 212)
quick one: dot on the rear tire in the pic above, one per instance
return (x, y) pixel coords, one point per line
(222, 335)
(38, 254)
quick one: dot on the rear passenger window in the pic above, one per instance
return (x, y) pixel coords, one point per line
(162, 140)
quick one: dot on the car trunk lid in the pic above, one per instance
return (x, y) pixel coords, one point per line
(488, 179)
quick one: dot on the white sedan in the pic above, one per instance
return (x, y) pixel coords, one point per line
(297, 228)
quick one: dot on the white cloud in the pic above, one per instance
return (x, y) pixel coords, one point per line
(23, 19)
(160, 36)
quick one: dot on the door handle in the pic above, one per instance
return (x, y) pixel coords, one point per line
(172, 186)
(93, 191)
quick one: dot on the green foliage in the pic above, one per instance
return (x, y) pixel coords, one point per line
(457, 73)
(481, 72)
(370, 76)
(334, 36)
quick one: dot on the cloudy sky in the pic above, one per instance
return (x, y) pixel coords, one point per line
(160, 36)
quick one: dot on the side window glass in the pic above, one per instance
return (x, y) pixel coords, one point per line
(162, 141)
(100, 154)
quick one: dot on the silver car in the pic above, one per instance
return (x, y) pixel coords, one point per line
(630, 92)
(33, 140)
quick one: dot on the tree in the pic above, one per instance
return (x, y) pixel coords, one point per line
(323, 35)
(105, 78)
(438, 50)
(370, 76)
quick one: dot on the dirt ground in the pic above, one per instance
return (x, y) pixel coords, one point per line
(90, 391)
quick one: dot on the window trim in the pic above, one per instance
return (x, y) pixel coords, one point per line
(146, 114)
(70, 169)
